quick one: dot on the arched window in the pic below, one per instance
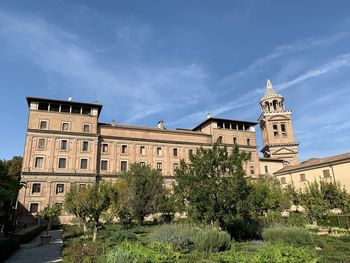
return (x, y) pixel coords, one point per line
(275, 103)
(275, 130)
(283, 129)
(267, 106)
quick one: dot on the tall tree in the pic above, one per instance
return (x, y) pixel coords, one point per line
(212, 185)
(145, 187)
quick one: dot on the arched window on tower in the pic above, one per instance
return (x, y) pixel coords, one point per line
(283, 129)
(267, 106)
(275, 130)
(274, 104)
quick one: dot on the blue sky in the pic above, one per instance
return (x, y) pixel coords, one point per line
(179, 60)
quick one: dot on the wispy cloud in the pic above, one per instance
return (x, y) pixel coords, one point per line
(141, 90)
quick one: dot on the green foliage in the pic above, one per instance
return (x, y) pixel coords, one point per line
(212, 186)
(166, 205)
(341, 221)
(51, 212)
(298, 219)
(212, 240)
(334, 249)
(179, 235)
(145, 189)
(284, 254)
(7, 247)
(80, 250)
(288, 235)
(242, 229)
(120, 255)
(27, 234)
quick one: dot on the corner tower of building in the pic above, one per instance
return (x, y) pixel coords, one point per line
(276, 127)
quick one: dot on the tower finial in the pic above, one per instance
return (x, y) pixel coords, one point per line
(268, 84)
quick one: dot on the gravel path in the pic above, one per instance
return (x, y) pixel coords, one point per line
(35, 252)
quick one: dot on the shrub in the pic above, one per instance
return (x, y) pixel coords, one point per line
(7, 247)
(289, 235)
(120, 255)
(283, 254)
(297, 219)
(212, 240)
(80, 250)
(179, 235)
(245, 229)
(120, 235)
(27, 234)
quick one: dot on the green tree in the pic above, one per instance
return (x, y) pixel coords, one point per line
(212, 185)
(145, 188)
(50, 213)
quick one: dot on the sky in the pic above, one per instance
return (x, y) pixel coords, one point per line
(179, 60)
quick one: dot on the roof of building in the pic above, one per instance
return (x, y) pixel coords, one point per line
(99, 106)
(270, 92)
(268, 159)
(314, 162)
(211, 119)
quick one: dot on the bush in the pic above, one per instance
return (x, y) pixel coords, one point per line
(283, 254)
(245, 229)
(288, 235)
(27, 234)
(80, 250)
(212, 240)
(342, 221)
(7, 247)
(179, 235)
(120, 255)
(298, 219)
(120, 235)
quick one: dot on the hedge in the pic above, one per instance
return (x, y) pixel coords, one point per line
(11, 244)
(341, 221)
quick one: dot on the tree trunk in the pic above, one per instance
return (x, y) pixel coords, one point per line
(48, 227)
(84, 227)
(94, 236)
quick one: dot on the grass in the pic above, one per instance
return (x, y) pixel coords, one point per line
(139, 241)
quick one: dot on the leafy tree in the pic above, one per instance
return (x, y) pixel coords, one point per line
(89, 203)
(50, 213)
(145, 188)
(167, 205)
(212, 185)
(10, 174)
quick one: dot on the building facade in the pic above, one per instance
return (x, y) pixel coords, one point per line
(65, 144)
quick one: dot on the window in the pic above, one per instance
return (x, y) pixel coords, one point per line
(124, 149)
(41, 144)
(283, 180)
(326, 174)
(43, 106)
(85, 147)
(36, 188)
(86, 110)
(175, 166)
(220, 125)
(143, 164)
(65, 108)
(39, 161)
(43, 125)
(266, 169)
(65, 126)
(248, 141)
(123, 165)
(34, 207)
(275, 130)
(86, 127)
(234, 140)
(175, 151)
(220, 139)
(104, 147)
(83, 163)
(283, 129)
(64, 144)
(54, 107)
(62, 162)
(252, 170)
(159, 151)
(104, 165)
(59, 188)
(142, 150)
(159, 167)
(302, 177)
(76, 109)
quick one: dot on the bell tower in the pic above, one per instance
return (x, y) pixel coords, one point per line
(276, 128)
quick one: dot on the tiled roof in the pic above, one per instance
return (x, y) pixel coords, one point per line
(315, 162)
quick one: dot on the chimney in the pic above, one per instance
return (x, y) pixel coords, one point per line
(113, 123)
(161, 125)
(209, 115)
